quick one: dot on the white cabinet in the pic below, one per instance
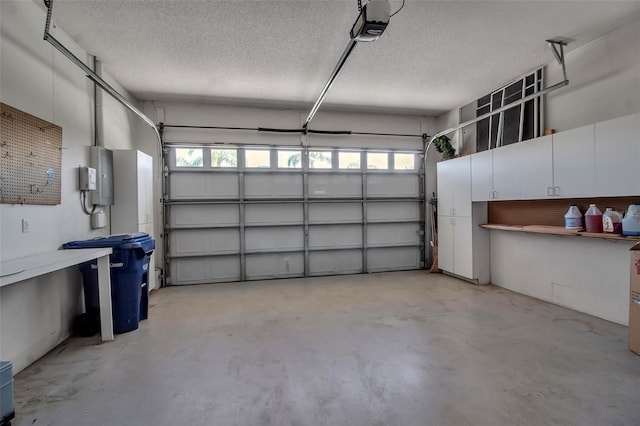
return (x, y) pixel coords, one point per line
(494, 174)
(455, 245)
(445, 243)
(506, 184)
(535, 166)
(618, 156)
(463, 246)
(482, 176)
(133, 197)
(574, 158)
(454, 187)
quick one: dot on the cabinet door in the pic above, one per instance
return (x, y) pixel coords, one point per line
(618, 156)
(145, 188)
(482, 176)
(445, 243)
(454, 187)
(536, 168)
(445, 188)
(461, 170)
(463, 247)
(506, 183)
(574, 163)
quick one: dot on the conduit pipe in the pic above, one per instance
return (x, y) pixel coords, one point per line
(302, 131)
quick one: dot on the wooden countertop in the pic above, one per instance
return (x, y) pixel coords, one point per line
(557, 230)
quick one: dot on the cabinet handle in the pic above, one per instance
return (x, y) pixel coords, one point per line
(550, 191)
(454, 211)
(556, 191)
(452, 221)
(495, 194)
(490, 194)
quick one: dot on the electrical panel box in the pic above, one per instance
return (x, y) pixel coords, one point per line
(87, 179)
(102, 161)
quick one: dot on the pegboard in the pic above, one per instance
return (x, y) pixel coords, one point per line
(549, 212)
(30, 158)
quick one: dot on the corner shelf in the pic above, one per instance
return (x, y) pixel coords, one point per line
(557, 230)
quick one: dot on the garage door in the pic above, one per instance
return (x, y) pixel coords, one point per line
(248, 213)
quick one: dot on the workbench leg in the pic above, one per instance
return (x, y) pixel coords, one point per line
(104, 292)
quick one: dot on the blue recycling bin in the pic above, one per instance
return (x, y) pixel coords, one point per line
(129, 277)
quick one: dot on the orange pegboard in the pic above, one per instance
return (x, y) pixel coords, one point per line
(549, 212)
(30, 158)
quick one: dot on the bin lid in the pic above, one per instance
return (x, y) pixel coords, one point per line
(121, 241)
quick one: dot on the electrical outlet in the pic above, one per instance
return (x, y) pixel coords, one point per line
(25, 226)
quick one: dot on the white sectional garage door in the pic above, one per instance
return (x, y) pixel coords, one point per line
(249, 213)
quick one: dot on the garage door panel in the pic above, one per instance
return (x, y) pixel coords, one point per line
(273, 185)
(209, 270)
(203, 185)
(267, 214)
(274, 238)
(216, 236)
(335, 262)
(202, 215)
(393, 234)
(335, 236)
(393, 259)
(198, 242)
(396, 211)
(335, 185)
(335, 212)
(276, 265)
(392, 185)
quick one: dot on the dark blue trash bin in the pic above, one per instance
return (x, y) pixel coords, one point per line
(129, 277)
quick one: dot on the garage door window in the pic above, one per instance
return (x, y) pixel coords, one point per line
(377, 160)
(320, 159)
(288, 159)
(224, 158)
(349, 160)
(258, 158)
(403, 161)
(189, 157)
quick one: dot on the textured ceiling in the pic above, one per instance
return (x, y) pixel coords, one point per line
(434, 56)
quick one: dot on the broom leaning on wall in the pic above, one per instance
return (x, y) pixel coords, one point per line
(433, 203)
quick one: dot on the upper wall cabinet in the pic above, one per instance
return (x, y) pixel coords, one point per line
(505, 172)
(454, 187)
(535, 162)
(574, 163)
(617, 154)
(494, 174)
(482, 176)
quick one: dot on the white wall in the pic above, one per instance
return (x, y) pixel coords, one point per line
(585, 274)
(36, 315)
(199, 114)
(604, 81)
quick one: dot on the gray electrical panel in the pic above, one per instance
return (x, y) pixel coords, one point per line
(102, 161)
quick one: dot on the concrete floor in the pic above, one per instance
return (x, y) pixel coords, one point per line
(408, 348)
